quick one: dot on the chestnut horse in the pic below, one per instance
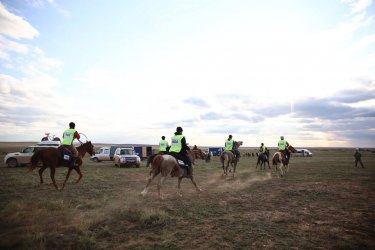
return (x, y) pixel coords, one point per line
(280, 161)
(168, 165)
(53, 157)
(227, 157)
(197, 153)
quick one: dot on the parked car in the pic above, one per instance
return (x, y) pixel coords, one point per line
(303, 152)
(126, 157)
(106, 153)
(23, 158)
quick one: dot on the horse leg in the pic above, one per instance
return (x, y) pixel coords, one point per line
(195, 184)
(150, 178)
(67, 177)
(179, 186)
(161, 181)
(281, 169)
(53, 176)
(78, 170)
(41, 170)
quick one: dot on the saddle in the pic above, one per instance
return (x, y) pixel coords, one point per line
(66, 155)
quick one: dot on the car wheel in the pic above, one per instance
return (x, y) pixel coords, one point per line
(95, 159)
(12, 163)
(137, 166)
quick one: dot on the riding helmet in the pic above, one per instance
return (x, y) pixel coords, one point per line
(72, 125)
(179, 129)
(282, 137)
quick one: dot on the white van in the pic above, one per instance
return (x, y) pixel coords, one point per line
(303, 152)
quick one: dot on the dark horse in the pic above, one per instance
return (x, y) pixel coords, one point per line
(168, 165)
(229, 157)
(263, 159)
(279, 160)
(53, 157)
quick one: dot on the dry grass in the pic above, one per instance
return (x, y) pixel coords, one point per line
(324, 202)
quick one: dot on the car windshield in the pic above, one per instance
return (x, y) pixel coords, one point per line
(28, 150)
(126, 152)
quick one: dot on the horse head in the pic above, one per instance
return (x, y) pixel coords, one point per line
(291, 149)
(87, 147)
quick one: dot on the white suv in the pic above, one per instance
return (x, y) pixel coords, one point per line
(126, 157)
(23, 158)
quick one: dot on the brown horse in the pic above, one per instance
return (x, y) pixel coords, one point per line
(228, 157)
(280, 161)
(168, 165)
(198, 154)
(53, 157)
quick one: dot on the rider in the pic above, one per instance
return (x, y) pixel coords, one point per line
(229, 145)
(163, 144)
(262, 150)
(179, 147)
(283, 147)
(68, 137)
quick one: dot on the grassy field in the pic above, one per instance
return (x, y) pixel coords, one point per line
(323, 202)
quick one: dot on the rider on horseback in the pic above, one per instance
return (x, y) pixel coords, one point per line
(68, 137)
(283, 147)
(262, 150)
(163, 144)
(229, 145)
(179, 147)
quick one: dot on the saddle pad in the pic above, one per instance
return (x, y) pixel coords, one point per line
(181, 163)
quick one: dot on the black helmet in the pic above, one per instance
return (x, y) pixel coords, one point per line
(179, 129)
(230, 136)
(72, 125)
(262, 143)
(163, 137)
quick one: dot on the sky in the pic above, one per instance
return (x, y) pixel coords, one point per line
(131, 71)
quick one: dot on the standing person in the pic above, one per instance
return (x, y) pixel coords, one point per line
(357, 157)
(163, 144)
(179, 147)
(68, 137)
(283, 147)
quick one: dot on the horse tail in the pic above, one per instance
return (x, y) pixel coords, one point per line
(156, 163)
(35, 159)
(275, 158)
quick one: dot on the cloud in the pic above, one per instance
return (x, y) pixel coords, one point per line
(197, 102)
(15, 26)
(358, 5)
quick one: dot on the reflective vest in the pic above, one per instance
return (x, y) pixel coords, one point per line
(163, 144)
(262, 149)
(176, 145)
(68, 136)
(282, 144)
(229, 144)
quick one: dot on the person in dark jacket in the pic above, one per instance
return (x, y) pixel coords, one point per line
(179, 148)
(357, 158)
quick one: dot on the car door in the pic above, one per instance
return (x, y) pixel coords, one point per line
(25, 156)
(106, 156)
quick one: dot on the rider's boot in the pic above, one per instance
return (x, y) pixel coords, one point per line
(188, 170)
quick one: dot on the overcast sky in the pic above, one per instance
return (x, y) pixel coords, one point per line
(132, 71)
